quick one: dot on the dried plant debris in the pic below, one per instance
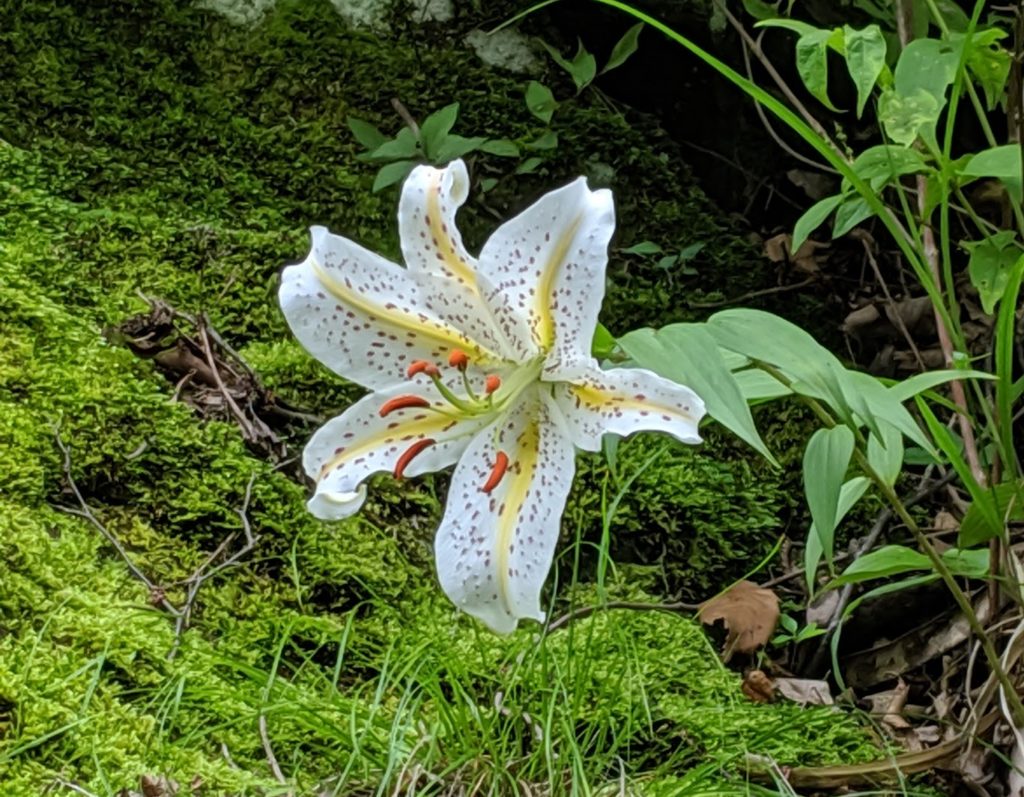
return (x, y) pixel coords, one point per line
(749, 614)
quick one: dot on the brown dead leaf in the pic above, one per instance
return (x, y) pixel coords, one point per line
(805, 691)
(749, 614)
(945, 521)
(758, 687)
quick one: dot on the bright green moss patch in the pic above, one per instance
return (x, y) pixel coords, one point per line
(159, 150)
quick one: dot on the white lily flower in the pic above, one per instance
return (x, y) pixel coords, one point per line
(482, 363)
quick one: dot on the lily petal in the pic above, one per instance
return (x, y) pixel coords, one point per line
(622, 401)
(433, 251)
(363, 317)
(359, 442)
(543, 272)
(494, 549)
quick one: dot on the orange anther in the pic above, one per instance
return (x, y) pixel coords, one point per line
(416, 367)
(500, 466)
(401, 403)
(491, 384)
(408, 454)
(458, 359)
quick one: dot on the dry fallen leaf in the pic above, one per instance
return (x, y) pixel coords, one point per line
(805, 691)
(749, 614)
(758, 687)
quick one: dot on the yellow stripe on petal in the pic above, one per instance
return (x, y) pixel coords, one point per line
(544, 328)
(441, 235)
(406, 319)
(520, 477)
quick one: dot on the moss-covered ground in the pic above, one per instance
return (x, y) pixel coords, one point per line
(154, 148)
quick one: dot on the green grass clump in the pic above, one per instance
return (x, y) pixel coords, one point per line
(158, 149)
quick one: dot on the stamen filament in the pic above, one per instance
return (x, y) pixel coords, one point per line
(408, 455)
(450, 397)
(500, 466)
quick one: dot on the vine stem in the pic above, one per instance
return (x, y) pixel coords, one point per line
(937, 562)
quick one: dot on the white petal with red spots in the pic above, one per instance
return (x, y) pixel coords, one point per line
(359, 442)
(543, 272)
(622, 401)
(494, 550)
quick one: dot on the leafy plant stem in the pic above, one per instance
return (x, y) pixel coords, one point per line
(890, 495)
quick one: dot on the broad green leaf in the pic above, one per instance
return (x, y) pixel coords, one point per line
(875, 404)
(812, 64)
(906, 117)
(988, 62)
(603, 343)
(990, 265)
(393, 173)
(623, 48)
(892, 560)
(760, 10)
(795, 25)
(435, 130)
(529, 165)
(501, 147)
(865, 59)
(582, 68)
(643, 248)
(849, 214)
(885, 453)
(756, 385)
(403, 145)
(1000, 162)
(929, 65)
(687, 354)
(540, 101)
(365, 133)
(455, 147)
(825, 462)
(766, 337)
(850, 493)
(812, 219)
(1008, 500)
(546, 140)
(884, 163)
(918, 383)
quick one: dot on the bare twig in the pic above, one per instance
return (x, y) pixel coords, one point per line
(156, 593)
(275, 768)
(754, 294)
(243, 421)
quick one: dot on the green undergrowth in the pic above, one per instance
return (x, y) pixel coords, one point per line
(155, 149)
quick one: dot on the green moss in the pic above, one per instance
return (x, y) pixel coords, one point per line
(160, 150)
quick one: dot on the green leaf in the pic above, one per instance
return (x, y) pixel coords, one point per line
(623, 48)
(885, 453)
(435, 129)
(756, 385)
(643, 248)
(546, 140)
(991, 522)
(892, 560)
(849, 495)
(540, 101)
(365, 133)
(812, 64)
(988, 62)
(928, 65)
(455, 147)
(529, 165)
(582, 68)
(501, 147)
(812, 219)
(1004, 348)
(918, 383)
(392, 173)
(825, 462)
(403, 145)
(1008, 500)
(906, 117)
(760, 10)
(1000, 162)
(803, 28)
(885, 163)
(865, 59)
(687, 354)
(849, 214)
(990, 265)
(603, 344)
